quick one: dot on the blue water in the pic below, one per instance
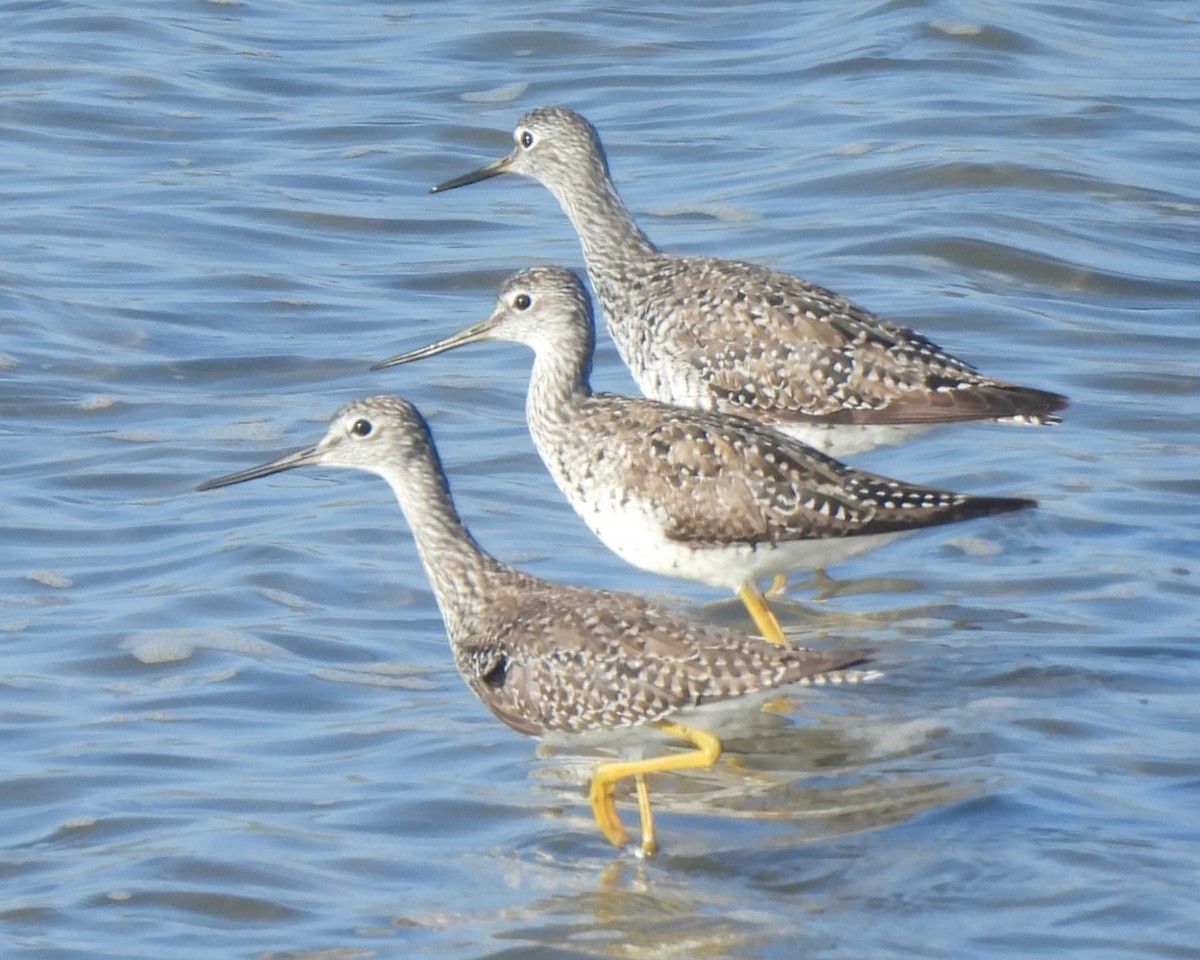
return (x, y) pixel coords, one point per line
(230, 723)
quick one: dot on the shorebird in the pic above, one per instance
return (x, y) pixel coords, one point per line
(547, 658)
(680, 492)
(736, 337)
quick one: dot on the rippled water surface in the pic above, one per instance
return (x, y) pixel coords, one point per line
(231, 726)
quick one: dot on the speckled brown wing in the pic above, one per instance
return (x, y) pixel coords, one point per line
(721, 480)
(562, 659)
(773, 343)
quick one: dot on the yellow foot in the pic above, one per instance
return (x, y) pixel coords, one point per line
(604, 809)
(763, 618)
(777, 587)
(649, 840)
(607, 775)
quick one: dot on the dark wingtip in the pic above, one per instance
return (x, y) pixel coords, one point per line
(858, 657)
(1042, 404)
(1007, 504)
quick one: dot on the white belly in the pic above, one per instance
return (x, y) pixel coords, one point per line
(842, 441)
(635, 534)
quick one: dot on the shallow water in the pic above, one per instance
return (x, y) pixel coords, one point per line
(231, 725)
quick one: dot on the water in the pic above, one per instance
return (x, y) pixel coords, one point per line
(230, 723)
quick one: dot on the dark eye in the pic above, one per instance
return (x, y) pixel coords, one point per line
(526, 139)
(497, 673)
(522, 301)
(362, 428)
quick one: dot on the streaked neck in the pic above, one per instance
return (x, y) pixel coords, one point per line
(460, 572)
(611, 240)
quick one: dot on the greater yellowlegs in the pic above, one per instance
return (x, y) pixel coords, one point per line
(739, 338)
(549, 658)
(703, 496)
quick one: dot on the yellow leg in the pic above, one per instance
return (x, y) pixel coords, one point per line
(649, 839)
(778, 585)
(604, 782)
(764, 619)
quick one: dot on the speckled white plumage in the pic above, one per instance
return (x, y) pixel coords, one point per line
(736, 337)
(713, 498)
(546, 657)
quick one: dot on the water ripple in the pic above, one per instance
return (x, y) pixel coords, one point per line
(231, 722)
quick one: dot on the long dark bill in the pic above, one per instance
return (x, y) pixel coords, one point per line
(301, 458)
(493, 169)
(471, 335)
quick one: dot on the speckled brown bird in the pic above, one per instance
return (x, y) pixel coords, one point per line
(703, 496)
(547, 658)
(736, 337)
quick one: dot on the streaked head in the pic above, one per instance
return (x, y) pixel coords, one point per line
(540, 307)
(371, 435)
(553, 145)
